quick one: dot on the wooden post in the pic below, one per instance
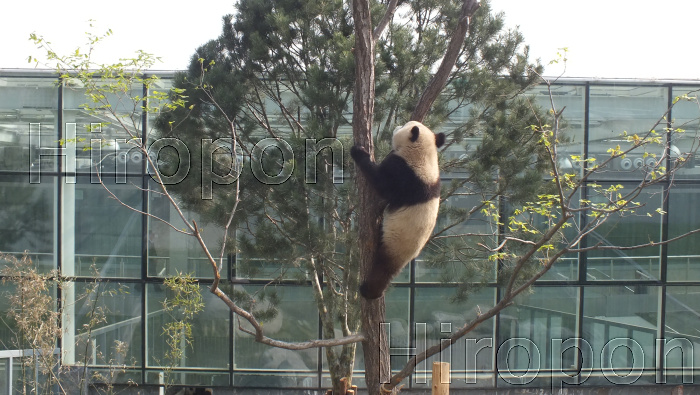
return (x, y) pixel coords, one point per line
(441, 378)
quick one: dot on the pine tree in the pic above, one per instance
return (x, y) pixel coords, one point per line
(285, 71)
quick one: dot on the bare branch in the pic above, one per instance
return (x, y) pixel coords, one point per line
(134, 209)
(236, 195)
(261, 338)
(598, 246)
(524, 258)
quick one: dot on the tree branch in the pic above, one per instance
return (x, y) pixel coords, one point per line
(437, 83)
(261, 338)
(391, 8)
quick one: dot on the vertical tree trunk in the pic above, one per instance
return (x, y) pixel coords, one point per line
(370, 211)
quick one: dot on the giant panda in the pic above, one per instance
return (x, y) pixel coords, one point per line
(409, 180)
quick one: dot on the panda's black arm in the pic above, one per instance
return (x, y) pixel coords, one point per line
(369, 168)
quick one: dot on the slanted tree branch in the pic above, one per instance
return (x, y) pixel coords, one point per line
(390, 10)
(437, 83)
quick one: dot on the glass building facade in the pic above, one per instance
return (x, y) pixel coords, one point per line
(631, 315)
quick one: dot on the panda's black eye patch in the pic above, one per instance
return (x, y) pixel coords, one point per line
(414, 134)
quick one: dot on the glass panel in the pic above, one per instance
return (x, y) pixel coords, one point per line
(27, 219)
(210, 332)
(620, 325)
(105, 138)
(397, 326)
(116, 375)
(682, 342)
(35, 305)
(627, 229)
(528, 328)
(296, 320)
(163, 84)
(4, 370)
(102, 236)
(278, 380)
(566, 267)
(109, 316)
(7, 328)
(170, 251)
(28, 135)
(453, 254)
(619, 109)
(258, 264)
(397, 318)
(683, 216)
(438, 319)
(571, 99)
(686, 116)
(187, 379)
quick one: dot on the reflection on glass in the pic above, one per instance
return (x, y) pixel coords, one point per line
(176, 377)
(4, 370)
(7, 328)
(436, 318)
(686, 116)
(170, 249)
(296, 320)
(105, 232)
(396, 326)
(210, 332)
(27, 219)
(683, 217)
(160, 85)
(102, 238)
(682, 340)
(104, 323)
(107, 138)
(620, 324)
(635, 226)
(453, 255)
(571, 100)
(617, 111)
(528, 328)
(28, 136)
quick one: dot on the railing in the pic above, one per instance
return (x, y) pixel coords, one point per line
(9, 356)
(127, 266)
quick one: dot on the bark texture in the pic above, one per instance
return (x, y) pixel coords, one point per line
(370, 209)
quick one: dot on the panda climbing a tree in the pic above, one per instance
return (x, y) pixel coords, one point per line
(409, 180)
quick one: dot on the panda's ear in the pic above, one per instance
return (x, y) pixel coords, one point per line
(439, 139)
(414, 134)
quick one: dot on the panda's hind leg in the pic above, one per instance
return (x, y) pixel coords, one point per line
(380, 275)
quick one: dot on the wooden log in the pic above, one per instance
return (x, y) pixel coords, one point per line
(441, 378)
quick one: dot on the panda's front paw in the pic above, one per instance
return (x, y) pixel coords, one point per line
(358, 153)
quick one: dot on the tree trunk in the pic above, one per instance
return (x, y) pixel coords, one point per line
(370, 208)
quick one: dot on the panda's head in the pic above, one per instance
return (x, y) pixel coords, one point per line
(418, 146)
